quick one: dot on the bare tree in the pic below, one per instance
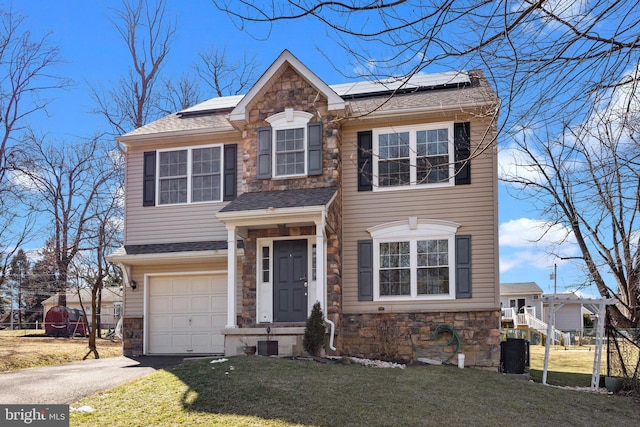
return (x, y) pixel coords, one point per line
(224, 76)
(561, 69)
(214, 70)
(148, 33)
(588, 179)
(96, 269)
(68, 185)
(544, 57)
(179, 94)
(27, 79)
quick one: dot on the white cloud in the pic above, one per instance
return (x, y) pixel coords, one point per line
(524, 232)
(534, 243)
(513, 163)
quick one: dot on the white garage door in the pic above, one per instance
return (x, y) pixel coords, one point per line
(186, 314)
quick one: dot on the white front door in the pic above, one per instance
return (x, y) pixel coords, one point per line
(186, 314)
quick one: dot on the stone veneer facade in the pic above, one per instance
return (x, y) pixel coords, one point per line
(290, 90)
(408, 336)
(247, 318)
(132, 333)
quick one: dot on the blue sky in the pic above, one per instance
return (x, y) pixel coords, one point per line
(95, 56)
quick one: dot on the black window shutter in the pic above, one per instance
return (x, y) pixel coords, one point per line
(264, 153)
(365, 270)
(230, 166)
(462, 144)
(149, 179)
(365, 159)
(314, 153)
(463, 266)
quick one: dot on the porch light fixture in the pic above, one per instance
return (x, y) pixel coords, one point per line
(133, 284)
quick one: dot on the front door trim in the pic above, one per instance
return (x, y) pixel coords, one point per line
(291, 280)
(264, 289)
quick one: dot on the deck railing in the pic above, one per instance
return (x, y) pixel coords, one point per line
(529, 320)
(509, 314)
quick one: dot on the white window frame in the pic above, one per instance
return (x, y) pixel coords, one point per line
(289, 119)
(190, 173)
(412, 230)
(413, 129)
(264, 290)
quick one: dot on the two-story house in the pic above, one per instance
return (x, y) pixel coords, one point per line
(376, 199)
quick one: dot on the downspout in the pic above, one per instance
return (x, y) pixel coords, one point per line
(333, 330)
(324, 285)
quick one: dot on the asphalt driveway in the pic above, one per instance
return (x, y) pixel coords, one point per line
(68, 383)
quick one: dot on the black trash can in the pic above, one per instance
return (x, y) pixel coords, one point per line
(514, 355)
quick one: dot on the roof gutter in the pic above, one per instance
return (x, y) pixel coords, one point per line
(381, 113)
(127, 140)
(165, 256)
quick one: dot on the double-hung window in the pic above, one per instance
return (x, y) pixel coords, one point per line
(290, 142)
(414, 260)
(290, 151)
(410, 156)
(190, 175)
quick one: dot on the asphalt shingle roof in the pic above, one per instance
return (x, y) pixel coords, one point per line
(281, 199)
(478, 92)
(163, 248)
(528, 288)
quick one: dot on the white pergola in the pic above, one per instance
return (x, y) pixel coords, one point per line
(601, 304)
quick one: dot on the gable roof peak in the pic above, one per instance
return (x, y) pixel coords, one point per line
(335, 102)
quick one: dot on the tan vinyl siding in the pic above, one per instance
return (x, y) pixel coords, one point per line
(473, 206)
(169, 223)
(134, 299)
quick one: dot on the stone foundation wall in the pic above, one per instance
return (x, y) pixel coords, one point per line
(132, 336)
(409, 336)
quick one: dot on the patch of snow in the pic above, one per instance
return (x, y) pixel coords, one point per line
(219, 360)
(376, 363)
(85, 408)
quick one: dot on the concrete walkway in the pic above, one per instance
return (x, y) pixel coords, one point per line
(68, 383)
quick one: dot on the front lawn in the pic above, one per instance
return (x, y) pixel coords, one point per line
(568, 366)
(260, 391)
(31, 348)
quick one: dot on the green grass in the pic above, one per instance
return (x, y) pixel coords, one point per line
(568, 366)
(280, 392)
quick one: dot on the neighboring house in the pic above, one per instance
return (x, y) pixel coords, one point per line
(521, 295)
(111, 304)
(243, 211)
(569, 317)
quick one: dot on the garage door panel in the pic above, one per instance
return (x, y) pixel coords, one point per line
(162, 304)
(181, 304)
(161, 342)
(162, 286)
(201, 304)
(180, 323)
(187, 314)
(160, 323)
(201, 323)
(201, 285)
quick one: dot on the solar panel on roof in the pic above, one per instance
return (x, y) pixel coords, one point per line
(222, 103)
(417, 81)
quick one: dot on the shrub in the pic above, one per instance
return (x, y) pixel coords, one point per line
(314, 331)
